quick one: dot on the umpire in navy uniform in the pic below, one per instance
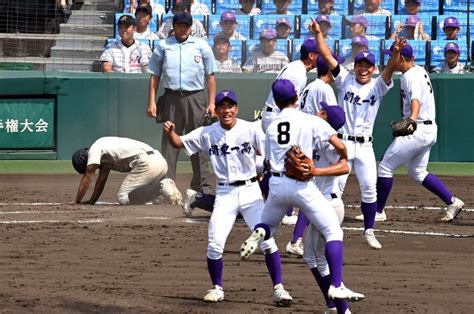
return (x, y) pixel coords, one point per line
(182, 62)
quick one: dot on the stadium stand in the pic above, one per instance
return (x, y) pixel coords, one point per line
(227, 5)
(236, 53)
(437, 51)
(359, 6)
(261, 22)
(420, 49)
(345, 48)
(340, 6)
(296, 7)
(377, 25)
(243, 25)
(457, 6)
(462, 19)
(336, 26)
(426, 19)
(153, 23)
(252, 44)
(427, 6)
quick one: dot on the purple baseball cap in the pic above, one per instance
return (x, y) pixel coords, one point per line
(322, 65)
(365, 55)
(283, 90)
(412, 20)
(360, 40)
(323, 18)
(283, 20)
(451, 22)
(228, 16)
(336, 115)
(309, 45)
(359, 19)
(452, 46)
(225, 94)
(407, 51)
(268, 33)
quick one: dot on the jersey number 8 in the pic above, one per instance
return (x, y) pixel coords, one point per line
(283, 132)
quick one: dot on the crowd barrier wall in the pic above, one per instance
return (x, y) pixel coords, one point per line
(87, 106)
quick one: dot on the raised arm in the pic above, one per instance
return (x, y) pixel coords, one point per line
(173, 137)
(324, 50)
(394, 60)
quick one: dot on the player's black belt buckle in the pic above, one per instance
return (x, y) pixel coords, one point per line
(427, 122)
(150, 152)
(269, 109)
(333, 195)
(239, 182)
(358, 139)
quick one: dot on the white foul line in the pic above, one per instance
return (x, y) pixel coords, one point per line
(413, 207)
(436, 234)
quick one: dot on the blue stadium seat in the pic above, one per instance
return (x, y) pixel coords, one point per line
(252, 44)
(345, 49)
(209, 4)
(419, 48)
(437, 51)
(359, 6)
(243, 27)
(336, 26)
(426, 19)
(236, 52)
(457, 6)
(153, 23)
(341, 7)
(296, 7)
(377, 26)
(261, 22)
(296, 46)
(462, 18)
(427, 6)
(227, 5)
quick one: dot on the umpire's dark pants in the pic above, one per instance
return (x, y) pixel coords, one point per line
(186, 111)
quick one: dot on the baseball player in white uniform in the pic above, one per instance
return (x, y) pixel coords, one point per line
(146, 169)
(296, 72)
(360, 97)
(293, 127)
(313, 94)
(418, 104)
(233, 145)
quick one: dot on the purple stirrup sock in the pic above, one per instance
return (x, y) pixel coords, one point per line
(433, 184)
(273, 262)
(323, 283)
(368, 210)
(204, 201)
(300, 226)
(289, 212)
(384, 186)
(341, 305)
(334, 255)
(215, 267)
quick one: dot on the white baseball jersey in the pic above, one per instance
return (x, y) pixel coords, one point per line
(228, 66)
(324, 154)
(295, 72)
(116, 152)
(443, 67)
(260, 63)
(232, 152)
(415, 84)
(127, 59)
(360, 102)
(293, 127)
(316, 92)
(146, 35)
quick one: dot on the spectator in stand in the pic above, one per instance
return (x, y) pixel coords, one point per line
(283, 28)
(451, 62)
(325, 25)
(411, 7)
(451, 28)
(143, 15)
(372, 7)
(326, 7)
(197, 29)
(156, 7)
(359, 27)
(358, 44)
(412, 29)
(65, 7)
(282, 7)
(229, 25)
(199, 8)
(248, 8)
(126, 55)
(221, 49)
(265, 59)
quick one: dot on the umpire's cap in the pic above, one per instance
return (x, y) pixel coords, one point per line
(79, 160)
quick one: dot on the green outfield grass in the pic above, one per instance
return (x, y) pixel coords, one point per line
(64, 166)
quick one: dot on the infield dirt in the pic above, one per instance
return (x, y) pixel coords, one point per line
(62, 258)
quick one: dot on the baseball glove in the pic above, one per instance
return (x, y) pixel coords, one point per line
(403, 127)
(298, 165)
